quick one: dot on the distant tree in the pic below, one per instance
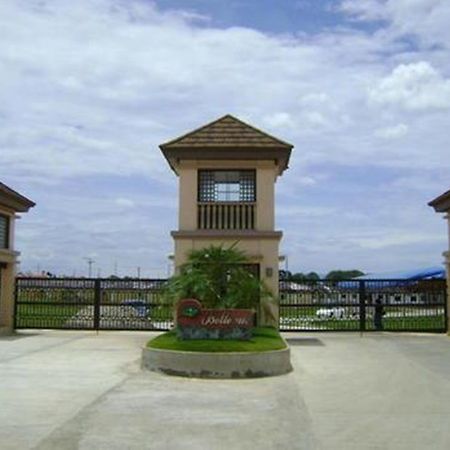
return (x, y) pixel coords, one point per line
(300, 277)
(338, 275)
(312, 276)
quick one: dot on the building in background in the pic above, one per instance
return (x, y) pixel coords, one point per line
(11, 203)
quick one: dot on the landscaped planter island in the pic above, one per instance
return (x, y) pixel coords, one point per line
(216, 337)
(265, 354)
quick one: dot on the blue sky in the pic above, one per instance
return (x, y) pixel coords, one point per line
(283, 16)
(89, 89)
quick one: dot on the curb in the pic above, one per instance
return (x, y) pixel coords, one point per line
(229, 365)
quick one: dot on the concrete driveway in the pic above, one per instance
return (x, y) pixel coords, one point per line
(78, 390)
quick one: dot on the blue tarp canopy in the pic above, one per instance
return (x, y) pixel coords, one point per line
(414, 274)
(398, 278)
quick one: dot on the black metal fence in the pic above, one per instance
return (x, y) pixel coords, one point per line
(138, 304)
(364, 305)
(91, 304)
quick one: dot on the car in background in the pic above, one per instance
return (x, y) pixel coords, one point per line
(141, 308)
(336, 312)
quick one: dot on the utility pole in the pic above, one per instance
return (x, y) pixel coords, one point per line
(90, 261)
(138, 271)
(115, 268)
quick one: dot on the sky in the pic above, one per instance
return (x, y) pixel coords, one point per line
(89, 89)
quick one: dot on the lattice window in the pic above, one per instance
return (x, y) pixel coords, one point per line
(226, 186)
(206, 186)
(4, 231)
(247, 186)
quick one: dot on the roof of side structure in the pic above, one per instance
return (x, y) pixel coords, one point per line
(12, 199)
(441, 203)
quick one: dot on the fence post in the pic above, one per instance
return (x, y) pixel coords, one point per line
(362, 306)
(446, 295)
(16, 298)
(97, 297)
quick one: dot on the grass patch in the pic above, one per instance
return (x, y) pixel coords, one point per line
(264, 339)
(45, 315)
(402, 323)
(422, 323)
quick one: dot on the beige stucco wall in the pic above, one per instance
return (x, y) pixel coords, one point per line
(266, 173)
(447, 216)
(265, 197)
(8, 257)
(447, 267)
(261, 250)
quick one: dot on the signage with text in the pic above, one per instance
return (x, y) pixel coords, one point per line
(194, 322)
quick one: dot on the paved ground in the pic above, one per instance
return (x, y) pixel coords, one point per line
(77, 390)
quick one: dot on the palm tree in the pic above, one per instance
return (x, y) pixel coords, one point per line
(217, 276)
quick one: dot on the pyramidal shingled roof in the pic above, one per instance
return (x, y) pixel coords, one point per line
(227, 131)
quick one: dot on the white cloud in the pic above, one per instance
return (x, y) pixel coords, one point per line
(392, 239)
(314, 118)
(90, 88)
(279, 120)
(125, 202)
(307, 181)
(393, 132)
(305, 212)
(366, 10)
(315, 98)
(416, 86)
(424, 20)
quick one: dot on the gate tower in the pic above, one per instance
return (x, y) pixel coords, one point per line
(227, 171)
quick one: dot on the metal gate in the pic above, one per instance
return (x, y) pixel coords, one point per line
(91, 304)
(364, 305)
(324, 305)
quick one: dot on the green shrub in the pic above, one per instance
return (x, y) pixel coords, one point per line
(217, 276)
(263, 339)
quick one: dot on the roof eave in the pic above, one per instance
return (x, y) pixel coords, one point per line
(13, 200)
(17, 206)
(280, 154)
(441, 203)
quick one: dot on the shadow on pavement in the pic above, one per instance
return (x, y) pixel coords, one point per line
(307, 342)
(15, 336)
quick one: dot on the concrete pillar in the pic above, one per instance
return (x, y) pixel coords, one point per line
(447, 269)
(11, 202)
(265, 192)
(187, 209)
(8, 273)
